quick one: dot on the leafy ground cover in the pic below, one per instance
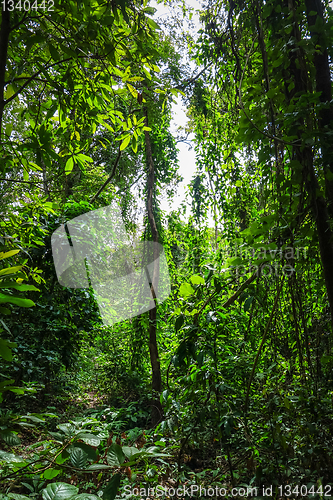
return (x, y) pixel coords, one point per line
(83, 447)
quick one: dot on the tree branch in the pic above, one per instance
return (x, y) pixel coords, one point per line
(194, 78)
(109, 179)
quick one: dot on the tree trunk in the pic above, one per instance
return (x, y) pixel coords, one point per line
(316, 25)
(153, 349)
(4, 37)
(304, 155)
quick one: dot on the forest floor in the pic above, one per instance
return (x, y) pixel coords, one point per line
(88, 440)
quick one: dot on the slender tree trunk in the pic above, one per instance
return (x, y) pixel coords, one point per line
(319, 206)
(153, 349)
(4, 37)
(316, 24)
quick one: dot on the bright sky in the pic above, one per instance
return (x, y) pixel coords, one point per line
(186, 155)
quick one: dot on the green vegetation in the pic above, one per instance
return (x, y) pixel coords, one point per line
(227, 385)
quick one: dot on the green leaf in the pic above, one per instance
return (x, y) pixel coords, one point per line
(15, 300)
(10, 437)
(272, 92)
(54, 53)
(179, 322)
(134, 144)
(62, 458)
(5, 311)
(84, 158)
(94, 467)
(10, 270)
(277, 62)
(8, 129)
(185, 290)
(5, 255)
(235, 261)
(17, 496)
(88, 438)
(10, 457)
(247, 303)
(59, 491)
(129, 451)
(51, 473)
(69, 165)
(325, 359)
(125, 142)
(153, 24)
(16, 390)
(5, 351)
(111, 489)
(78, 457)
(9, 92)
(17, 286)
(67, 428)
(91, 452)
(115, 455)
(197, 280)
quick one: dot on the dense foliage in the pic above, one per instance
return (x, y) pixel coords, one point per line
(227, 384)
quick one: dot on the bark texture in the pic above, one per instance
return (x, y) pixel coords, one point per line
(153, 349)
(319, 204)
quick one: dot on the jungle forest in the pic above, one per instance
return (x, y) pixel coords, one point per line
(148, 353)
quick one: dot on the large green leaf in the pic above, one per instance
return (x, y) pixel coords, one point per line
(19, 301)
(185, 290)
(17, 286)
(78, 457)
(17, 496)
(51, 473)
(10, 437)
(94, 467)
(115, 455)
(88, 438)
(33, 418)
(91, 452)
(67, 428)
(9, 457)
(129, 451)
(111, 489)
(197, 280)
(69, 165)
(5, 255)
(59, 491)
(125, 142)
(10, 270)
